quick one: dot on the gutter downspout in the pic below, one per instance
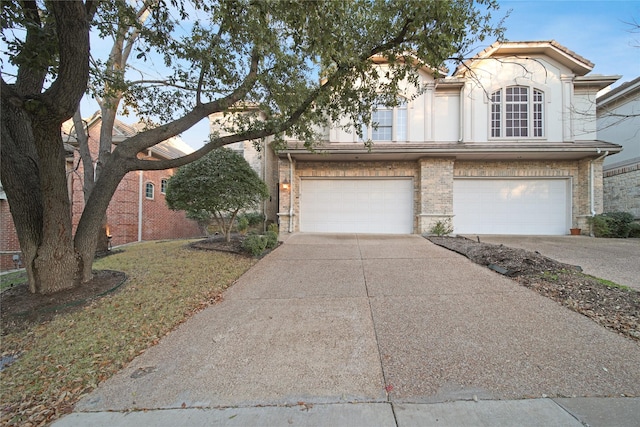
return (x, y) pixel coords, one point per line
(591, 184)
(290, 193)
(140, 174)
(264, 179)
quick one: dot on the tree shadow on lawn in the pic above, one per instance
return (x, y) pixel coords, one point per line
(20, 308)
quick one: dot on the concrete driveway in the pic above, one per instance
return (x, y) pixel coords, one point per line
(617, 260)
(374, 330)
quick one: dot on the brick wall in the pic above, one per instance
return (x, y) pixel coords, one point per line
(159, 222)
(622, 190)
(9, 244)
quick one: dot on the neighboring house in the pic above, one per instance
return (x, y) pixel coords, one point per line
(507, 145)
(619, 122)
(137, 210)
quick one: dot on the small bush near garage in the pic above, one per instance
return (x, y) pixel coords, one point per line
(612, 224)
(635, 230)
(272, 239)
(253, 218)
(442, 228)
(255, 244)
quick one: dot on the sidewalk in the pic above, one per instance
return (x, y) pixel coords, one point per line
(498, 413)
(375, 330)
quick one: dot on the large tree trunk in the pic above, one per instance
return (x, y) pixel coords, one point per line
(33, 155)
(56, 264)
(20, 179)
(90, 228)
(39, 201)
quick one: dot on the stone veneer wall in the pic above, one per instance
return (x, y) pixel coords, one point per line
(433, 183)
(436, 179)
(622, 190)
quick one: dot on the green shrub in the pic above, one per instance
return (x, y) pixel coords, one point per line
(273, 227)
(253, 218)
(635, 229)
(600, 226)
(255, 244)
(612, 224)
(272, 239)
(442, 228)
(243, 224)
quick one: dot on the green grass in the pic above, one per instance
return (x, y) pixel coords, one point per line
(15, 278)
(609, 283)
(69, 356)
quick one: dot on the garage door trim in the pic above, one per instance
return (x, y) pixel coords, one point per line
(364, 205)
(544, 213)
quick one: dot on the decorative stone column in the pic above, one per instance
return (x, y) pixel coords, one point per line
(436, 192)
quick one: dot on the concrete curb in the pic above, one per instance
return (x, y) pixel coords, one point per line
(532, 412)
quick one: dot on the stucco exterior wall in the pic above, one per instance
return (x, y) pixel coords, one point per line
(619, 122)
(494, 74)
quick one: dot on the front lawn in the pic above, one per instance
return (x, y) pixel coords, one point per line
(59, 361)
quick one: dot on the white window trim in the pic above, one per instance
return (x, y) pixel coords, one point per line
(530, 113)
(163, 185)
(153, 190)
(367, 130)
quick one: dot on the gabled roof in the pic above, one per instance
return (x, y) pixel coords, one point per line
(576, 63)
(171, 148)
(624, 90)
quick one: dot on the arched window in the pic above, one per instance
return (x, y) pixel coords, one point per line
(149, 189)
(163, 186)
(517, 112)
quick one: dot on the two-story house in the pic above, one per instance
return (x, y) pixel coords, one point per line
(506, 145)
(619, 122)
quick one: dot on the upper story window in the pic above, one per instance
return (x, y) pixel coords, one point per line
(391, 124)
(163, 185)
(517, 112)
(149, 189)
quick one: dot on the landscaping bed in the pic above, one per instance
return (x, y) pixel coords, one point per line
(611, 305)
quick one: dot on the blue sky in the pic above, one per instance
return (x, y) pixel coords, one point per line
(595, 30)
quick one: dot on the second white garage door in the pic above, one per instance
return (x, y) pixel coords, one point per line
(511, 206)
(379, 206)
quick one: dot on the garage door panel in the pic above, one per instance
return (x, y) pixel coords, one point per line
(380, 206)
(511, 206)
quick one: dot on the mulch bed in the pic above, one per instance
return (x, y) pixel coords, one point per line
(218, 243)
(21, 308)
(617, 308)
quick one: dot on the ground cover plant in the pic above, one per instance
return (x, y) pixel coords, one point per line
(611, 305)
(59, 357)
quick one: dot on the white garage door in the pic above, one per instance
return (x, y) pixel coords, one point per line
(380, 206)
(511, 206)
